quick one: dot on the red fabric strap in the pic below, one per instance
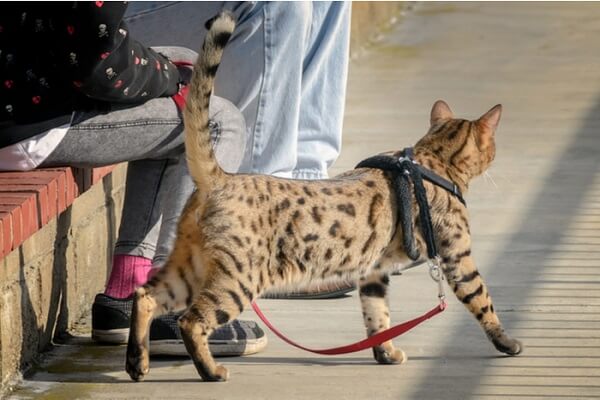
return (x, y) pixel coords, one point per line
(369, 342)
(183, 63)
(179, 98)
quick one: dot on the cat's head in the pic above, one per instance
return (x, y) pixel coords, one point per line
(467, 147)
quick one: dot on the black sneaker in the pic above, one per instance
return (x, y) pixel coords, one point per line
(110, 319)
(110, 324)
(236, 338)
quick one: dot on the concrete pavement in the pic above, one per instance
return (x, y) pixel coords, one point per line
(535, 223)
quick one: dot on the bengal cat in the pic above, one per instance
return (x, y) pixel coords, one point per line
(242, 234)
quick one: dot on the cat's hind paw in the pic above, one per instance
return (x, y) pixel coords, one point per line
(396, 356)
(509, 346)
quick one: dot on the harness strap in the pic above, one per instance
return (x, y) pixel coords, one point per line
(367, 343)
(392, 164)
(424, 215)
(442, 182)
(435, 178)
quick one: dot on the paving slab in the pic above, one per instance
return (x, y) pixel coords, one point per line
(535, 225)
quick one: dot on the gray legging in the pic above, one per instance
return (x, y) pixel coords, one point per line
(150, 137)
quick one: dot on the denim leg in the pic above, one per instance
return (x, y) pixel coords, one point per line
(300, 93)
(272, 49)
(323, 95)
(141, 217)
(300, 102)
(175, 180)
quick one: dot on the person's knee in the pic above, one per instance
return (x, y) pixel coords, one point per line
(228, 132)
(177, 53)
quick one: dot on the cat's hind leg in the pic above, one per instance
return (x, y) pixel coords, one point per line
(373, 299)
(169, 290)
(216, 305)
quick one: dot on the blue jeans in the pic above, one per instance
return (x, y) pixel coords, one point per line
(285, 68)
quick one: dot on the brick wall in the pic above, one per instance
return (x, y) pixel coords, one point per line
(48, 280)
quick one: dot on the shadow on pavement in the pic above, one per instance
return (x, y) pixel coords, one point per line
(530, 259)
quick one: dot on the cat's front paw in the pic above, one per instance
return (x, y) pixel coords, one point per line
(387, 356)
(219, 374)
(509, 346)
(136, 367)
(137, 361)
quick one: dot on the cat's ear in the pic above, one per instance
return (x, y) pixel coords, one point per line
(440, 112)
(491, 118)
(487, 127)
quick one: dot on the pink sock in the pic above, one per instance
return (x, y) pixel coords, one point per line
(128, 273)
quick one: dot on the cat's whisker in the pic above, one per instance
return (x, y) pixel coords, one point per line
(488, 176)
(502, 178)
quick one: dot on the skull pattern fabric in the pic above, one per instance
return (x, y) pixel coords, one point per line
(58, 57)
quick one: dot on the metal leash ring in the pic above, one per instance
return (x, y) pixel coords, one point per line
(435, 271)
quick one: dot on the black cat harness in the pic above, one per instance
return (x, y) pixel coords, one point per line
(404, 169)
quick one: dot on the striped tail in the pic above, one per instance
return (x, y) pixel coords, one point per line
(203, 166)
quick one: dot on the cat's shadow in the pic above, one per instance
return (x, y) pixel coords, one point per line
(176, 361)
(311, 361)
(362, 361)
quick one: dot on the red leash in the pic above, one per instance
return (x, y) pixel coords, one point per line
(375, 340)
(367, 343)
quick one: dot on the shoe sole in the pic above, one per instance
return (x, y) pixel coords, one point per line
(175, 347)
(217, 348)
(112, 336)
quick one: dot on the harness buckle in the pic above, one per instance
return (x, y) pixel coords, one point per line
(455, 190)
(403, 159)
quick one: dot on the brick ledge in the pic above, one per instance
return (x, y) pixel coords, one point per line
(28, 200)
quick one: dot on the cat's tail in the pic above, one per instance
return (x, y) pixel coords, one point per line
(202, 165)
